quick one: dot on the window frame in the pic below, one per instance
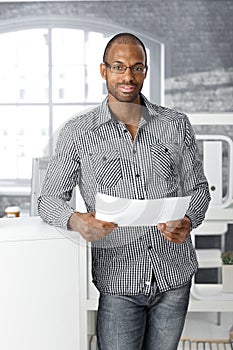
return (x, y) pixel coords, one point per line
(157, 90)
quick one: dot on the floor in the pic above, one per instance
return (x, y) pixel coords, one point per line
(205, 326)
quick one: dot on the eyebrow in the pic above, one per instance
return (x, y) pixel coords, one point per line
(123, 63)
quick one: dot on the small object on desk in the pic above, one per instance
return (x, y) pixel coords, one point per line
(12, 212)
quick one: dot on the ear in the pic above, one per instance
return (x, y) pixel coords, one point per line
(103, 71)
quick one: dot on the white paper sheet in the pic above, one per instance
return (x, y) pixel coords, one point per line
(134, 212)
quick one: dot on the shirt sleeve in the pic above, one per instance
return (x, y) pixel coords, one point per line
(61, 177)
(193, 180)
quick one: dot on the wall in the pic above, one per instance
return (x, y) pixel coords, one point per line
(198, 38)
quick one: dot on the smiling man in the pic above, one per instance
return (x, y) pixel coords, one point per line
(130, 148)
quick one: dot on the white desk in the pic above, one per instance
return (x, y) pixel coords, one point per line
(39, 287)
(47, 300)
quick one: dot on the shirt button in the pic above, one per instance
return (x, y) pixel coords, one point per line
(137, 175)
(134, 151)
(149, 247)
(125, 130)
(104, 159)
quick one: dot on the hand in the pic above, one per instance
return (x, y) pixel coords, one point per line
(176, 231)
(89, 227)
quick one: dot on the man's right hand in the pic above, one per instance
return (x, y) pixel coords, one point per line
(89, 227)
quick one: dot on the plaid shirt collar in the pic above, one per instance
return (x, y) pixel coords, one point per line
(149, 112)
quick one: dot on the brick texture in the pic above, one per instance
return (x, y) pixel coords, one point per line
(198, 38)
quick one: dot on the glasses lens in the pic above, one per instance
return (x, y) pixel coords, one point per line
(138, 69)
(120, 69)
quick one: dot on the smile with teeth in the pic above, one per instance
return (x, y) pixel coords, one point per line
(127, 88)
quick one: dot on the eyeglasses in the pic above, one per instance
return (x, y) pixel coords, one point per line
(121, 68)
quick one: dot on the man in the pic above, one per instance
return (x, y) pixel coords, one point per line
(130, 148)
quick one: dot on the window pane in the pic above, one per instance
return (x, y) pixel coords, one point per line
(68, 65)
(23, 135)
(32, 84)
(8, 83)
(32, 48)
(95, 84)
(94, 49)
(67, 46)
(24, 66)
(68, 83)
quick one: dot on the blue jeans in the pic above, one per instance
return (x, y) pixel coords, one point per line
(141, 322)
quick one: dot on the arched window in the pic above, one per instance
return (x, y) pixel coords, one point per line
(47, 74)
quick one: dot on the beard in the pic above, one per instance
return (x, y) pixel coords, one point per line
(121, 96)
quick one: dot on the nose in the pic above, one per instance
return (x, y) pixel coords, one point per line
(128, 75)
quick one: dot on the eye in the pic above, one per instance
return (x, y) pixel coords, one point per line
(117, 68)
(138, 69)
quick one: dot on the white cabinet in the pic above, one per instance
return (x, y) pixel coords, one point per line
(38, 287)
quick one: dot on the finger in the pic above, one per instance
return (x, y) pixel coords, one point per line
(168, 230)
(183, 229)
(172, 235)
(100, 224)
(106, 224)
(185, 222)
(174, 225)
(174, 238)
(90, 220)
(175, 231)
(92, 234)
(161, 226)
(171, 226)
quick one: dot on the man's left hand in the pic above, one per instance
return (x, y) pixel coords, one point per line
(176, 231)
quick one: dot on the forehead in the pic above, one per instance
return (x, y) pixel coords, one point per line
(125, 53)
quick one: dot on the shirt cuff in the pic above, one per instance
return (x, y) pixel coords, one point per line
(192, 220)
(65, 217)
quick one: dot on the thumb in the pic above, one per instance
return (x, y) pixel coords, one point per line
(161, 226)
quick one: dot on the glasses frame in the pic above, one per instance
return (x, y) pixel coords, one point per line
(124, 69)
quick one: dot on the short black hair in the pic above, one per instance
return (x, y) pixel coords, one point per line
(124, 38)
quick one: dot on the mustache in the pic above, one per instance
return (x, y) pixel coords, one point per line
(127, 84)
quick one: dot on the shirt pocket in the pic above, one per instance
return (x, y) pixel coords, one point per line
(163, 160)
(106, 166)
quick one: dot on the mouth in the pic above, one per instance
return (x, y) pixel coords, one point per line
(126, 88)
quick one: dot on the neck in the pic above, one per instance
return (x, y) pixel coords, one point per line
(128, 113)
